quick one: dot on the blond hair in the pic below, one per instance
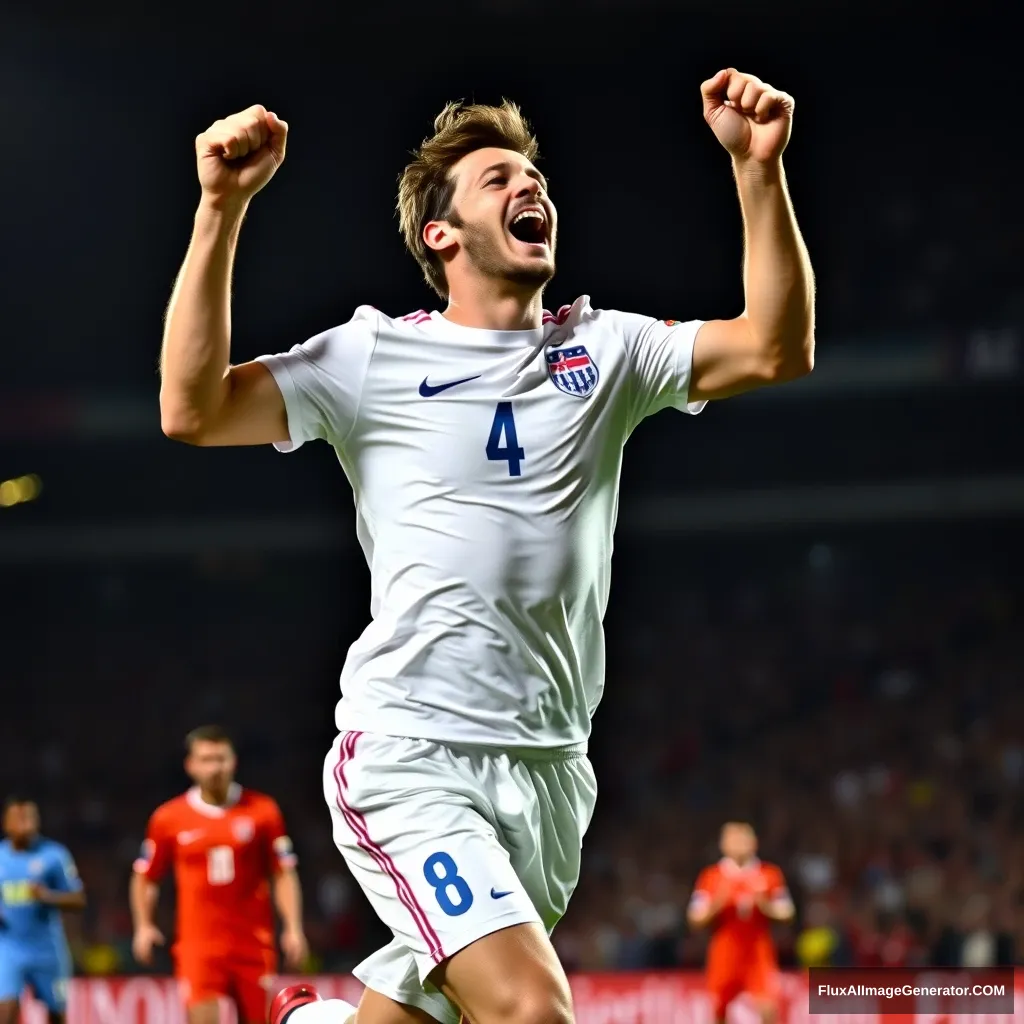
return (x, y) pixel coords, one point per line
(426, 188)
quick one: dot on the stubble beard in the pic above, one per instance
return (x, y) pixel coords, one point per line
(487, 256)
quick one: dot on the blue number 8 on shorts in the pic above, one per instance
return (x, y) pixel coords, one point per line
(441, 874)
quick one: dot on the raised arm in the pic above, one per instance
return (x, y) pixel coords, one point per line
(773, 340)
(203, 399)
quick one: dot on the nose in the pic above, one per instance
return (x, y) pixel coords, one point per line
(528, 187)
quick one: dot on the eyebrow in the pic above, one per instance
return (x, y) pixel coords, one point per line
(504, 165)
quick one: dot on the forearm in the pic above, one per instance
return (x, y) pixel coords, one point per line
(142, 897)
(67, 900)
(702, 916)
(778, 910)
(778, 281)
(288, 900)
(195, 356)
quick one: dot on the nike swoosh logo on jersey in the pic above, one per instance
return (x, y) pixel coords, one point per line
(189, 837)
(495, 895)
(429, 390)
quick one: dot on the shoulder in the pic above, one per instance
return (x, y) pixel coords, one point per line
(61, 857)
(356, 333)
(579, 324)
(578, 313)
(708, 874)
(53, 848)
(406, 321)
(170, 812)
(255, 802)
(582, 317)
(770, 870)
(583, 311)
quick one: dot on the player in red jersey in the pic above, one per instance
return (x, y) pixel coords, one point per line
(229, 851)
(739, 898)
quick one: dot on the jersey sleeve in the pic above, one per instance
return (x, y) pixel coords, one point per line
(278, 844)
(660, 355)
(777, 890)
(321, 380)
(157, 851)
(63, 875)
(702, 889)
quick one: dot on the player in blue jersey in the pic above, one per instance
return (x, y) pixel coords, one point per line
(38, 880)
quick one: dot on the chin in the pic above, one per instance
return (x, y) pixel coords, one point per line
(535, 272)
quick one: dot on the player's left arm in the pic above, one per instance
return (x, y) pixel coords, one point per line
(775, 902)
(773, 340)
(286, 886)
(61, 886)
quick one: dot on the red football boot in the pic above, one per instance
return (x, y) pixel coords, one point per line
(291, 998)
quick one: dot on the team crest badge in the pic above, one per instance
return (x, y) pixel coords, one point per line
(36, 867)
(243, 829)
(573, 371)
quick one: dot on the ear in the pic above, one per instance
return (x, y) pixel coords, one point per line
(439, 235)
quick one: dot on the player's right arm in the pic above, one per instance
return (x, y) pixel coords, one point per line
(150, 866)
(203, 399)
(707, 900)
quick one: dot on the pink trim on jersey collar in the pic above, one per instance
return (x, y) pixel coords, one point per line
(197, 803)
(442, 321)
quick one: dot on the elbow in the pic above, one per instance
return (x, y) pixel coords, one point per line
(180, 425)
(791, 361)
(182, 434)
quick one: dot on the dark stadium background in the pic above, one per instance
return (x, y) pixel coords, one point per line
(817, 616)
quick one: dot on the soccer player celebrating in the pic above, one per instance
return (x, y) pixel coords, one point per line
(38, 880)
(483, 444)
(739, 898)
(224, 844)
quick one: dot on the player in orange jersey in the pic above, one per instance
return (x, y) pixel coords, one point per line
(229, 850)
(739, 898)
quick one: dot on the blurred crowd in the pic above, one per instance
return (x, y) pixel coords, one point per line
(860, 706)
(926, 255)
(869, 721)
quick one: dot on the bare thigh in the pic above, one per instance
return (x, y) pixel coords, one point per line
(206, 1012)
(512, 976)
(375, 1008)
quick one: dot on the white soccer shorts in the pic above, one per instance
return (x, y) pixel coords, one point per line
(452, 844)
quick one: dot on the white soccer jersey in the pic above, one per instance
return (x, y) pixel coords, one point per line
(485, 468)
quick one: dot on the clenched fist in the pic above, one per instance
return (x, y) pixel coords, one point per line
(750, 119)
(237, 156)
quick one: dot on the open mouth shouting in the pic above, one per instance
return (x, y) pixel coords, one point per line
(529, 227)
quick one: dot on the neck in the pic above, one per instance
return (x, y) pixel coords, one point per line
(215, 797)
(481, 307)
(23, 843)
